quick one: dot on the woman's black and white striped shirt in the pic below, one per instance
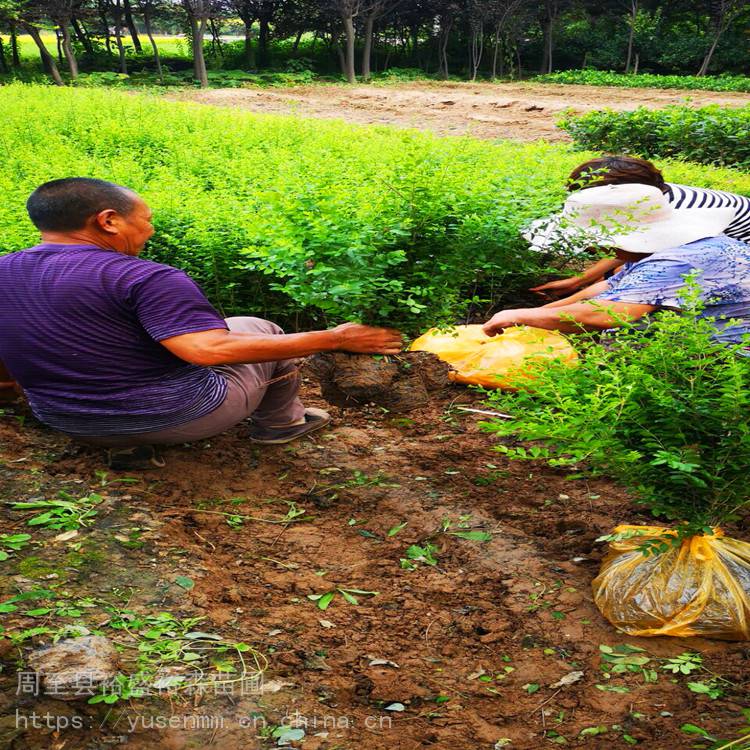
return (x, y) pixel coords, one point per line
(682, 196)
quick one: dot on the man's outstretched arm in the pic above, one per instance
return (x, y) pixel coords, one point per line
(223, 347)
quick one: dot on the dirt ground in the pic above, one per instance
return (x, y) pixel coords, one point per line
(471, 648)
(523, 111)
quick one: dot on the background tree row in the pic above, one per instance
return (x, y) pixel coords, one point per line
(467, 38)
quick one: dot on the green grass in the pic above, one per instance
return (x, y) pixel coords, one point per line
(169, 46)
(648, 80)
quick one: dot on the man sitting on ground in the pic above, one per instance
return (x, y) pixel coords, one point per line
(660, 247)
(127, 353)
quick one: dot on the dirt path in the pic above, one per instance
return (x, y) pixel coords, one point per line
(523, 111)
(470, 648)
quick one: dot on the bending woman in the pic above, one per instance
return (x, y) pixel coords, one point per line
(621, 170)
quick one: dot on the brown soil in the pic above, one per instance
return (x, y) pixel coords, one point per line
(465, 642)
(523, 111)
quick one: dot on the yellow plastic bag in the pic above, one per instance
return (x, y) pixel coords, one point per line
(701, 588)
(493, 361)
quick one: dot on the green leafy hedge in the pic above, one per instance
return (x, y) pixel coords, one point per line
(302, 221)
(647, 80)
(709, 135)
(662, 409)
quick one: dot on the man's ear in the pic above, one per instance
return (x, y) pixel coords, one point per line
(107, 221)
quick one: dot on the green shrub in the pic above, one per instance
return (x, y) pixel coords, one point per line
(647, 80)
(300, 220)
(662, 410)
(709, 135)
(303, 221)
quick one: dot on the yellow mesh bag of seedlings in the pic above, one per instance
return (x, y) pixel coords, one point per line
(493, 361)
(699, 588)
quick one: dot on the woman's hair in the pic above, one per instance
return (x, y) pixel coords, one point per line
(613, 169)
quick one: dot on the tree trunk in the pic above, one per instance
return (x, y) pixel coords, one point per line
(635, 66)
(495, 49)
(263, 35)
(340, 53)
(131, 26)
(68, 50)
(150, 33)
(118, 38)
(102, 8)
(631, 35)
(215, 39)
(348, 20)
(198, 30)
(297, 40)
(47, 60)
(3, 60)
(707, 59)
(81, 35)
(58, 39)
(476, 49)
(15, 59)
(445, 31)
(249, 49)
(367, 49)
(546, 66)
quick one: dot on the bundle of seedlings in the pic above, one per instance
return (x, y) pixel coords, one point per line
(665, 410)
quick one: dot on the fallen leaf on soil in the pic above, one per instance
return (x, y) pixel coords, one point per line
(569, 679)
(274, 686)
(384, 663)
(396, 707)
(66, 535)
(316, 663)
(327, 624)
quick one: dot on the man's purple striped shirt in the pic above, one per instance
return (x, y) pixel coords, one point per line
(81, 327)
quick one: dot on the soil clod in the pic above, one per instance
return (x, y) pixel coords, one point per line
(75, 668)
(398, 384)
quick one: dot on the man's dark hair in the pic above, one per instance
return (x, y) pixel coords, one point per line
(614, 169)
(66, 204)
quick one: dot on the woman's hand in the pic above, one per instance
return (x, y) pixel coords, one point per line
(502, 320)
(557, 289)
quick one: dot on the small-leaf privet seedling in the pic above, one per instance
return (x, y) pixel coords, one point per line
(662, 409)
(711, 135)
(593, 77)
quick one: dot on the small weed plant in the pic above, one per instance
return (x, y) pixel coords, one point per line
(663, 409)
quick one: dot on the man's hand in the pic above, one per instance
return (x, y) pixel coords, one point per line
(353, 337)
(500, 321)
(557, 289)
